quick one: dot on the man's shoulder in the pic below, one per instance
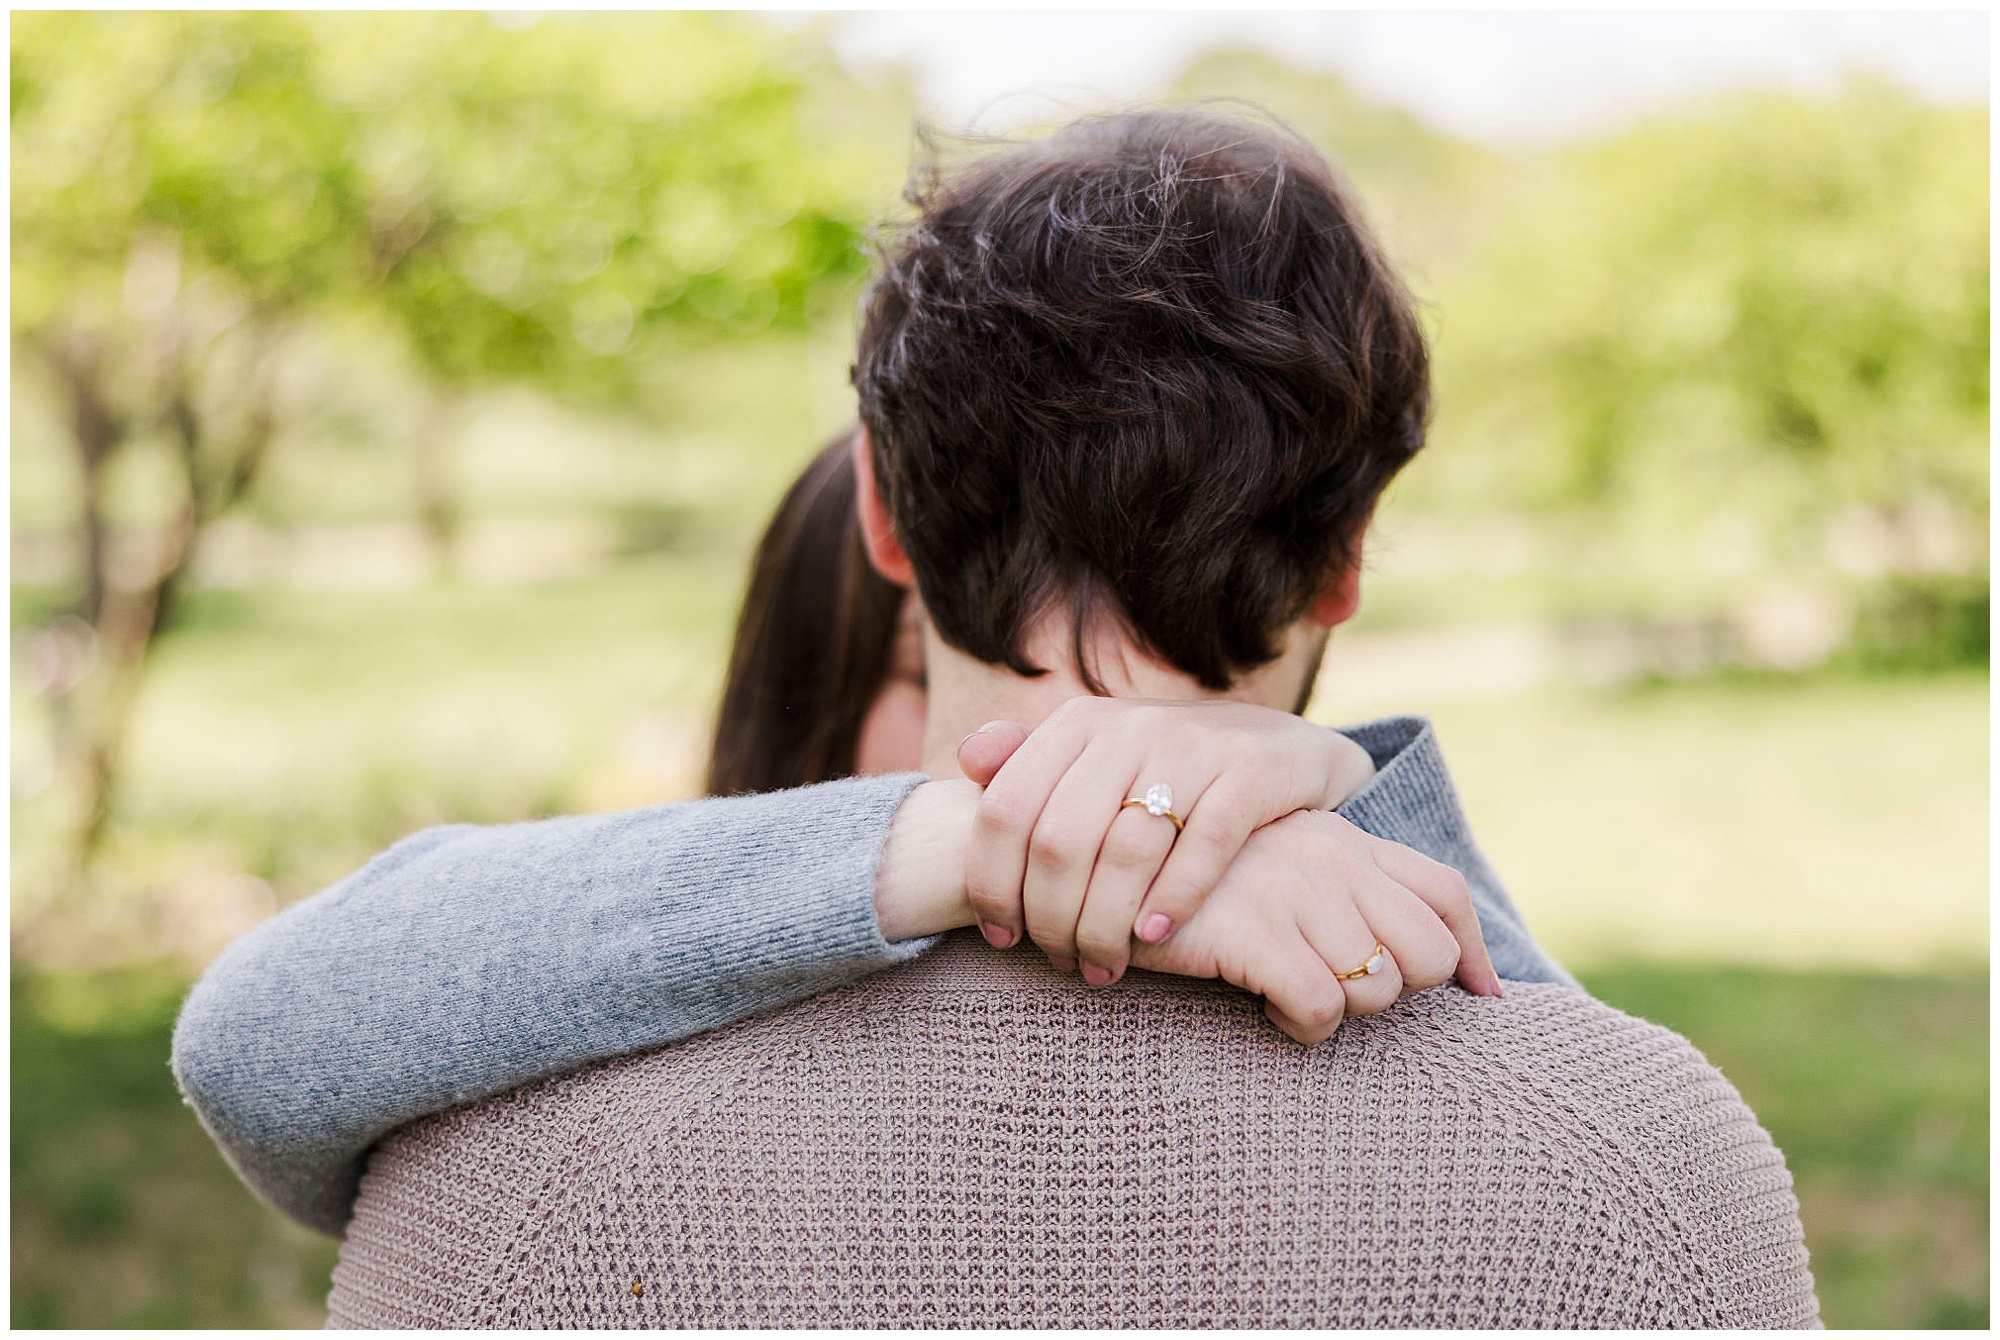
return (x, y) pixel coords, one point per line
(1639, 1113)
(1612, 1089)
(1532, 1036)
(1615, 1099)
(1562, 1057)
(1581, 1158)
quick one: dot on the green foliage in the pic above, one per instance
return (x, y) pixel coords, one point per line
(548, 203)
(1776, 306)
(1719, 335)
(1923, 625)
(201, 199)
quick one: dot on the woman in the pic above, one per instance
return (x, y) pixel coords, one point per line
(826, 677)
(465, 961)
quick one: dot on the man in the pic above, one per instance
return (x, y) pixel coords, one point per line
(1132, 395)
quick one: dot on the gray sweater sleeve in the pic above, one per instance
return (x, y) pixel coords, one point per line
(467, 960)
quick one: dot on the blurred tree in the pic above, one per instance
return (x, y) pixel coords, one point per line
(550, 203)
(1774, 309)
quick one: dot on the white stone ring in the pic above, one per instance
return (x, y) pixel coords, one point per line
(1376, 962)
(1158, 802)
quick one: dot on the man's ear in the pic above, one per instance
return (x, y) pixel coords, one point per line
(878, 537)
(1340, 601)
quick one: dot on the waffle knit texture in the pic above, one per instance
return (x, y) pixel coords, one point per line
(465, 960)
(974, 1140)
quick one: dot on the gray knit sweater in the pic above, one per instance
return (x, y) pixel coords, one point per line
(465, 961)
(975, 1140)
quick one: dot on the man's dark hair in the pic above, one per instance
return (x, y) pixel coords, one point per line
(1154, 365)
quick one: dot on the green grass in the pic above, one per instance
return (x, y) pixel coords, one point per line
(123, 1213)
(1874, 1086)
(1828, 822)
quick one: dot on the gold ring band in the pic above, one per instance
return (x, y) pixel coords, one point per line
(1376, 962)
(1158, 802)
(1168, 815)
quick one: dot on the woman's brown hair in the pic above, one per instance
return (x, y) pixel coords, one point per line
(812, 643)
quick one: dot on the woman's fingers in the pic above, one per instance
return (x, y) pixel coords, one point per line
(1300, 994)
(1066, 844)
(1308, 1034)
(1443, 890)
(1126, 864)
(996, 857)
(983, 753)
(1422, 948)
(1269, 775)
(1055, 855)
(1218, 824)
(1345, 939)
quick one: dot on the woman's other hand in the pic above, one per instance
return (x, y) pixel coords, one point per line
(1306, 902)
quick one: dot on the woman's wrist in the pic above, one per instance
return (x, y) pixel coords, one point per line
(920, 880)
(1349, 770)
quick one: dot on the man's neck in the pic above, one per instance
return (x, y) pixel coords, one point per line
(966, 694)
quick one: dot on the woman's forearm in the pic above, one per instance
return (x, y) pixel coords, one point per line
(466, 960)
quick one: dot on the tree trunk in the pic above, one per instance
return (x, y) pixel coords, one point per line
(436, 451)
(78, 361)
(130, 625)
(94, 716)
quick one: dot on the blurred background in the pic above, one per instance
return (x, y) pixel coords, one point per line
(396, 399)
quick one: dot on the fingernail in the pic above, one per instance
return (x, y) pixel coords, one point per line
(972, 735)
(1155, 928)
(1063, 964)
(1096, 975)
(997, 936)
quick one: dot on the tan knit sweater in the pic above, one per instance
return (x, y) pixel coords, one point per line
(974, 1140)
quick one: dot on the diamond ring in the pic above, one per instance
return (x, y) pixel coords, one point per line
(1158, 802)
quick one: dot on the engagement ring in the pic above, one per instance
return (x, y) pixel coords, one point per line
(1158, 802)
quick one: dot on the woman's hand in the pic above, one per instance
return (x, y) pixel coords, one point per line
(1309, 898)
(1057, 853)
